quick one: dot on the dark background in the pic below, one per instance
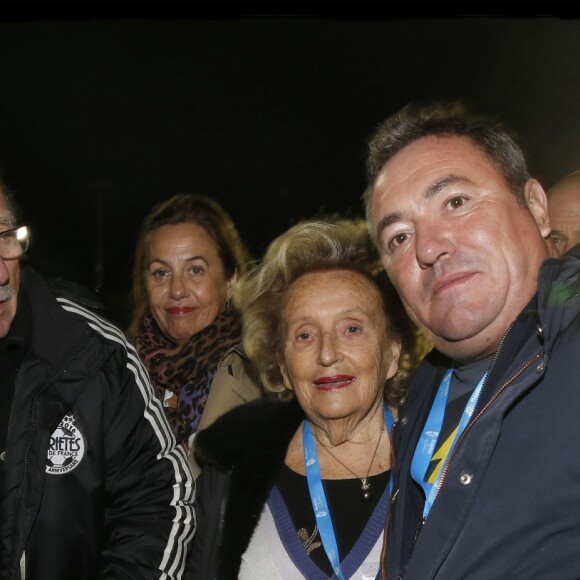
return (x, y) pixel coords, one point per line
(102, 117)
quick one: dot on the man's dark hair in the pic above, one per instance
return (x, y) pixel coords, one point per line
(414, 122)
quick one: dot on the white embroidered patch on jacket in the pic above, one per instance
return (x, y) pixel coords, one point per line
(66, 447)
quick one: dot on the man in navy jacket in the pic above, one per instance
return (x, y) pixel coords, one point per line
(487, 443)
(92, 483)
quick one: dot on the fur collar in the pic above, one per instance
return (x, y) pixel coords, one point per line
(249, 444)
(254, 431)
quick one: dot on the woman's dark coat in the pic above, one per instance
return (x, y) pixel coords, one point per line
(240, 455)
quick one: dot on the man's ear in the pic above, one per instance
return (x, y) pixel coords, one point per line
(537, 202)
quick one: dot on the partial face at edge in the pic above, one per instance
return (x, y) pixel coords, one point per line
(459, 248)
(9, 276)
(564, 208)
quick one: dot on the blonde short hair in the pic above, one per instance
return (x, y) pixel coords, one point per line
(306, 247)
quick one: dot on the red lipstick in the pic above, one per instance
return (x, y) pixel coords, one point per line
(179, 310)
(333, 382)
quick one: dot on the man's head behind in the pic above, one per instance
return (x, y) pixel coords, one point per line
(564, 208)
(459, 224)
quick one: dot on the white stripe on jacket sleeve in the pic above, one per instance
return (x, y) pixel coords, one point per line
(184, 522)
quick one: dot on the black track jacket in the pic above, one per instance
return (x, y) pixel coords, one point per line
(94, 485)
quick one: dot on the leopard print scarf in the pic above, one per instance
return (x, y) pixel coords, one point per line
(187, 370)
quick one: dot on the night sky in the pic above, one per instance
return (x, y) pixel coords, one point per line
(103, 117)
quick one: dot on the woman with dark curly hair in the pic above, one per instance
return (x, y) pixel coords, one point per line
(188, 260)
(297, 485)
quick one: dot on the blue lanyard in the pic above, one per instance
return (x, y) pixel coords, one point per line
(318, 497)
(426, 446)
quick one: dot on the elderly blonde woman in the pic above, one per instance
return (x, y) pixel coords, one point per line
(297, 485)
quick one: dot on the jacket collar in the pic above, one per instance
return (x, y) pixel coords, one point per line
(68, 350)
(531, 335)
(558, 294)
(530, 339)
(50, 321)
(249, 444)
(550, 311)
(267, 425)
(548, 314)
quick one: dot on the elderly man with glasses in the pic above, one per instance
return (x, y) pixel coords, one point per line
(92, 483)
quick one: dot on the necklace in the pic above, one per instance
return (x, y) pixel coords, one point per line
(365, 490)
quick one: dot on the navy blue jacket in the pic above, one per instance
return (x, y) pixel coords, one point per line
(509, 504)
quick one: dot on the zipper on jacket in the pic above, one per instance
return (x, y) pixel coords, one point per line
(468, 427)
(489, 371)
(499, 391)
(484, 408)
(459, 441)
(27, 454)
(464, 434)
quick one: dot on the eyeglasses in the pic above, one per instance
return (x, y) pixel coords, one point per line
(14, 243)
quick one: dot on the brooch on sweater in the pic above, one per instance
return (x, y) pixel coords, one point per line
(308, 540)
